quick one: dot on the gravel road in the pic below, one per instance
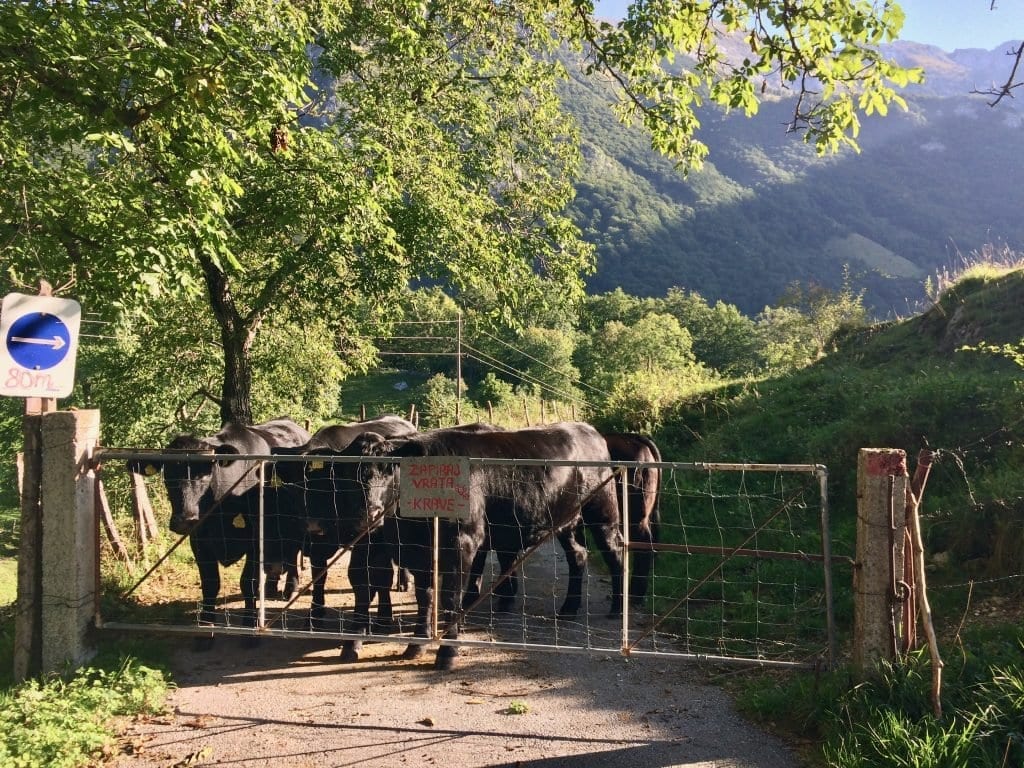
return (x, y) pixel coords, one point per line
(288, 703)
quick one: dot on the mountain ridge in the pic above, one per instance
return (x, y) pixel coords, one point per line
(930, 186)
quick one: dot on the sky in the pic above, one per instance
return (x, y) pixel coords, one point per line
(948, 24)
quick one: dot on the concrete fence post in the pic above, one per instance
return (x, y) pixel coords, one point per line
(28, 616)
(68, 567)
(881, 524)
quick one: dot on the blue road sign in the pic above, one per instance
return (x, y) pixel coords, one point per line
(38, 345)
(38, 341)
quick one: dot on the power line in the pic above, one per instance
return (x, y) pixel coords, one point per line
(478, 355)
(541, 362)
(522, 376)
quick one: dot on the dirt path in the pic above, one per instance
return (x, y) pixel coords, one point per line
(289, 703)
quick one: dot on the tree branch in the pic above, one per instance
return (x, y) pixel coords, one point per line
(1006, 89)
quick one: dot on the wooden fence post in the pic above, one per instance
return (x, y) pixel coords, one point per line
(107, 517)
(145, 521)
(878, 575)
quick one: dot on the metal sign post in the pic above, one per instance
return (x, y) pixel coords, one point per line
(435, 487)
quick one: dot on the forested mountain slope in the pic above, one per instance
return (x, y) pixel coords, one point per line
(930, 186)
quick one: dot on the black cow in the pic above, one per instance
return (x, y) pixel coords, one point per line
(404, 543)
(510, 509)
(311, 485)
(643, 491)
(642, 499)
(643, 494)
(217, 504)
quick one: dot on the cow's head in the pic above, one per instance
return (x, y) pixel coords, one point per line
(188, 483)
(343, 498)
(378, 481)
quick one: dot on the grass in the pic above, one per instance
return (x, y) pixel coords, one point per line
(67, 721)
(8, 580)
(9, 518)
(909, 385)
(886, 720)
(385, 391)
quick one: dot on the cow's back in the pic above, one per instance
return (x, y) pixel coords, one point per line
(234, 478)
(522, 502)
(337, 437)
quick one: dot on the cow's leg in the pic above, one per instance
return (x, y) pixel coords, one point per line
(507, 588)
(318, 599)
(573, 541)
(209, 581)
(273, 573)
(508, 584)
(381, 571)
(291, 578)
(249, 583)
(424, 590)
(609, 544)
(642, 561)
(455, 569)
(208, 565)
(412, 553)
(404, 579)
(475, 580)
(384, 622)
(359, 576)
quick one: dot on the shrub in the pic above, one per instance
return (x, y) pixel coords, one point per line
(58, 722)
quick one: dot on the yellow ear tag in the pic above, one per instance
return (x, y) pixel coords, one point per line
(275, 481)
(316, 465)
(150, 470)
(239, 521)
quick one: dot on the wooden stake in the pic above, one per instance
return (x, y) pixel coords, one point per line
(924, 463)
(145, 521)
(108, 523)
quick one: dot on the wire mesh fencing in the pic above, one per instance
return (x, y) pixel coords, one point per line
(738, 557)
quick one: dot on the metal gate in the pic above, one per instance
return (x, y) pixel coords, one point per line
(742, 574)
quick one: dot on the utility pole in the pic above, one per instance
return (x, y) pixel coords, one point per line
(458, 371)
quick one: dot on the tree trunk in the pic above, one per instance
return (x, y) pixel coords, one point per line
(236, 391)
(236, 336)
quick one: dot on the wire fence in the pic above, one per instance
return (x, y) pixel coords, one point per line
(741, 574)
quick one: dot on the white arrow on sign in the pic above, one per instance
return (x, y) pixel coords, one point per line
(56, 342)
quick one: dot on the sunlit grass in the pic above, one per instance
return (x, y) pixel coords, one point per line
(8, 580)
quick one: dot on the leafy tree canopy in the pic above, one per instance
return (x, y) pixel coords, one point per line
(292, 158)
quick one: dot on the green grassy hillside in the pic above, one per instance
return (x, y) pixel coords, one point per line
(912, 385)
